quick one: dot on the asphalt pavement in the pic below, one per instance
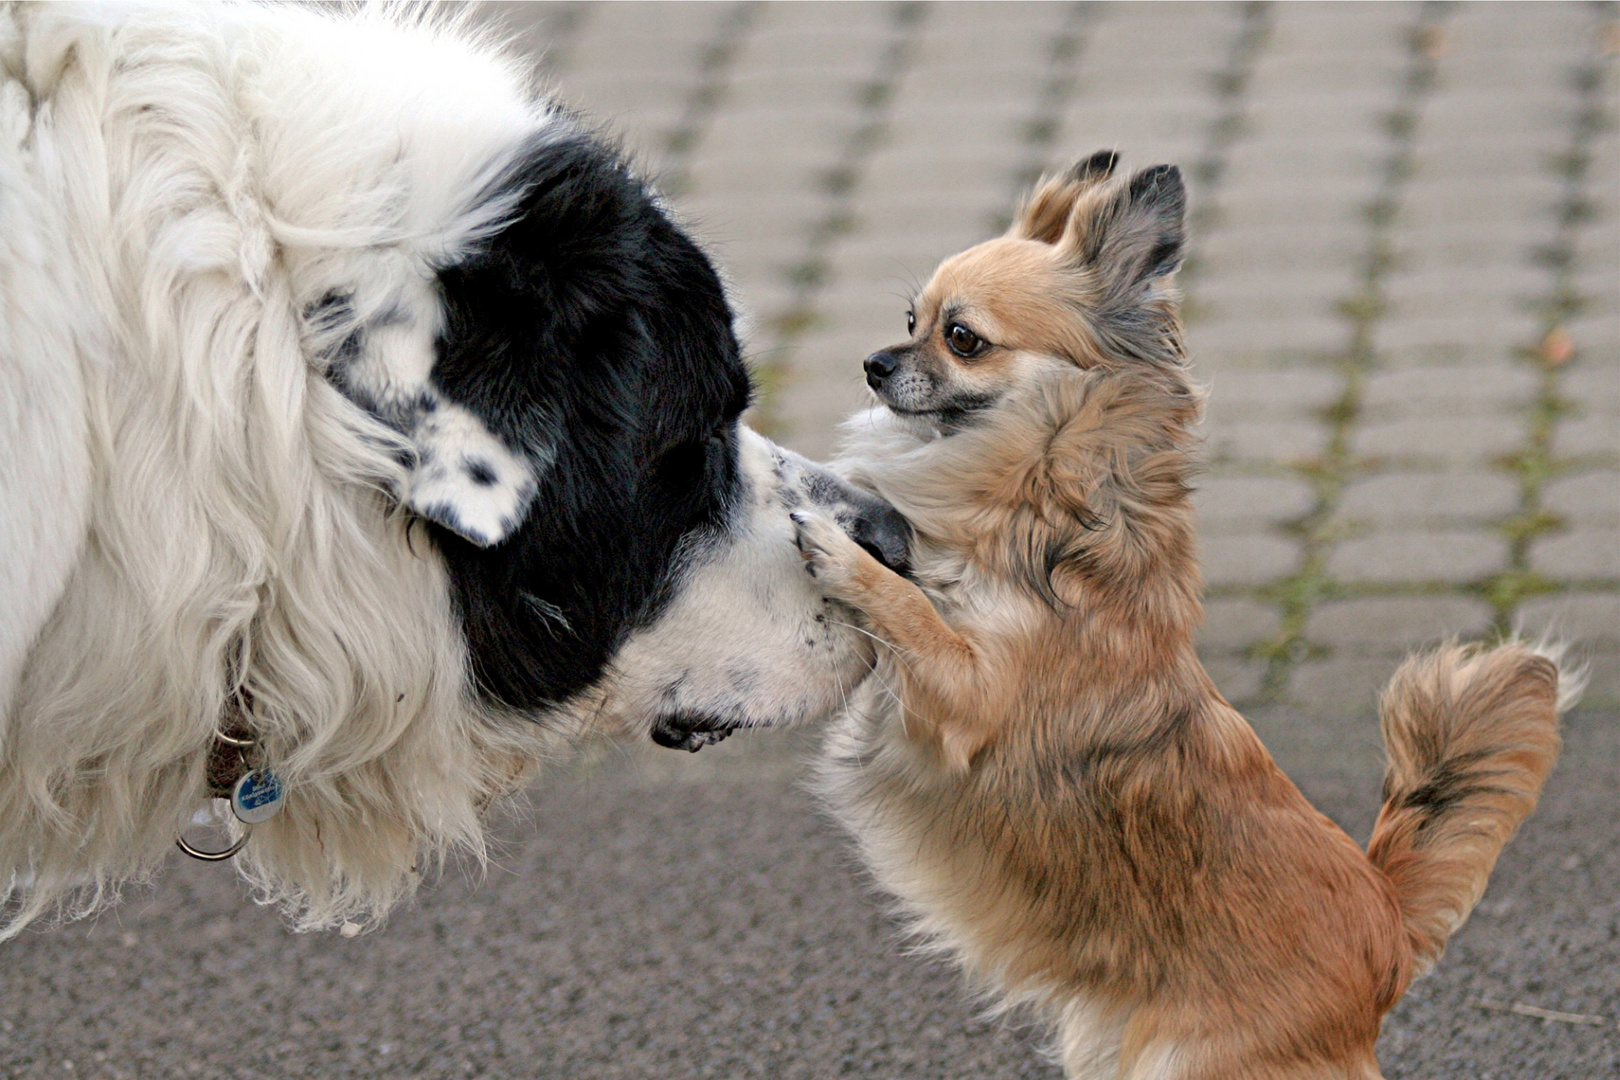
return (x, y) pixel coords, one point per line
(655, 915)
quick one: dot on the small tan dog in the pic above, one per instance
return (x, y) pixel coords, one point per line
(1040, 767)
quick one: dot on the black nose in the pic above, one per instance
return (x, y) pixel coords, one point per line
(879, 366)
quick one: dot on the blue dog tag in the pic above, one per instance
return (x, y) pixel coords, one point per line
(257, 797)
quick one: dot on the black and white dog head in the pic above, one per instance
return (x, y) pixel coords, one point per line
(568, 389)
(374, 408)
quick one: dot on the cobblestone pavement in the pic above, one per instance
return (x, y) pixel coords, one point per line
(1403, 287)
(1405, 292)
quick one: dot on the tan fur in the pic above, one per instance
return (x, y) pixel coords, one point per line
(1469, 744)
(1041, 769)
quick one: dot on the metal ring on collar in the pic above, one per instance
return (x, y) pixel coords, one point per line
(215, 856)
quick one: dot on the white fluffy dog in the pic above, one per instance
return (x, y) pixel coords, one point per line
(357, 402)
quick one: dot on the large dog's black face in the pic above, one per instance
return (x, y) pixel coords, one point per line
(609, 528)
(594, 333)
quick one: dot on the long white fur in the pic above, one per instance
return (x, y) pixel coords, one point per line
(210, 172)
(189, 509)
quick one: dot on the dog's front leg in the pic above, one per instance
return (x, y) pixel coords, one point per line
(941, 670)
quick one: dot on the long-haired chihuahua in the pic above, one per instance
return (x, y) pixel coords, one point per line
(1041, 769)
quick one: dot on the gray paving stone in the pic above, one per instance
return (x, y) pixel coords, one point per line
(1485, 288)
(1302, 161)
(1233, 625)
(1332, 77)
(1594, 435)
(982, 182)
(1581, 554)
(1462, 107)
(875, 309)
(1385, 625)
(794, 30)
(1280, 243)
(1238, 680)
(1591, 382)
(1498, 224)
(1283, 391)
(1429, 338)
(1283, 441)
(1595, 282)
(1315, 112)
(1270, 295)
(1234, 248)
(1453, 556)
(1434, 389)
(1341, 28)
(1588, 619)
(1588, 498)
(1597, 339)
(732, 143)
(1243, 503)
(1344, 685)
(1000, 30)
(1481, 237)
(1255, 559)
(1469, 438)
(1602, 677)
(1279, 200)
(1485, 161)
(1418, 497)
(1531, 73)
(872, 252)
(1503, 30)
(1171, 133)
(1294, 338)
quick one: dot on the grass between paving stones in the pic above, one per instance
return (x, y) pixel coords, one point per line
(807, 275)
(1040, 131)
(1319, 530)
(1231, 85)
(714, 64)
(1534, 465)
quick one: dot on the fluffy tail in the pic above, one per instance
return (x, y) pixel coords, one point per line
(1471, 735)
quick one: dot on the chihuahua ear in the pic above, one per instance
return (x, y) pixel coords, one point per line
(1134, 234)
(1047, 209)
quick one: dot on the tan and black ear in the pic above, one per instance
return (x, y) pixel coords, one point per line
(1135, 234)
(1046, 211)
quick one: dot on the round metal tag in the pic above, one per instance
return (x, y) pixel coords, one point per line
(257, 797)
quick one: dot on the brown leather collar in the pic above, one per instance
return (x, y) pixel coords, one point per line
(228, 753)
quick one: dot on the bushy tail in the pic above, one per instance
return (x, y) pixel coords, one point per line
(1471, 735)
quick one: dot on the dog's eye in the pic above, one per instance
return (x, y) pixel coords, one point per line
(963, 342)
(911, 322)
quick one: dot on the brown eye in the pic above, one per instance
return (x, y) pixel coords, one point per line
(911, 322)
(963, 342)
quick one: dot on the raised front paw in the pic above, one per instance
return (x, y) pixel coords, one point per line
(830, 556)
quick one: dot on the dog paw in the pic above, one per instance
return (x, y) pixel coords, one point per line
(829, 554)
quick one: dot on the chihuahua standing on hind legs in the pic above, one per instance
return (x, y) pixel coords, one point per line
(1041, 769)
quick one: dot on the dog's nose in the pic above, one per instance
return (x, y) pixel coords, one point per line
(879, 366)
